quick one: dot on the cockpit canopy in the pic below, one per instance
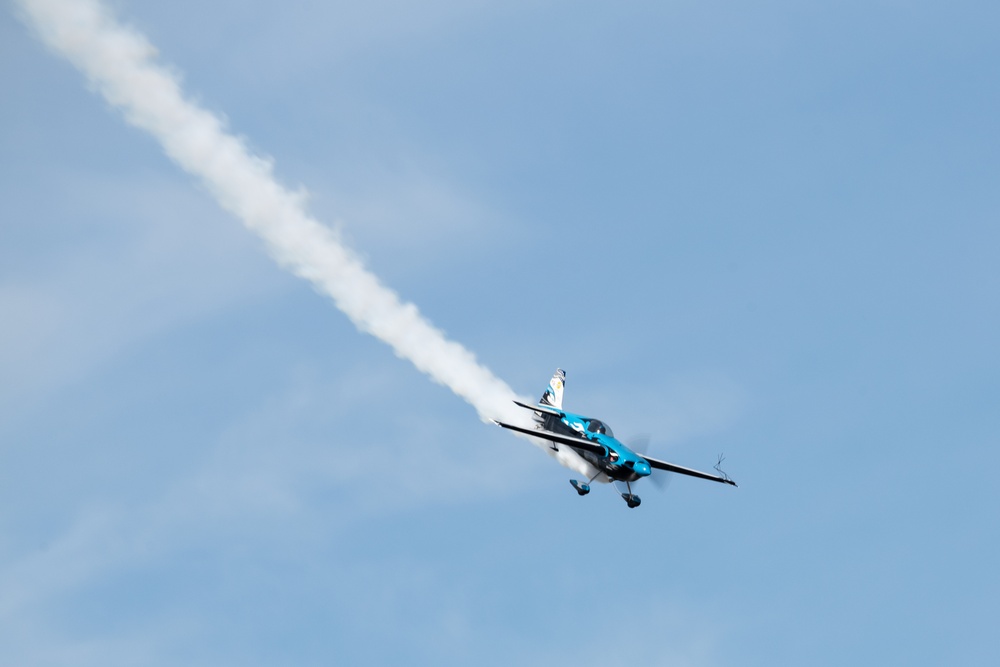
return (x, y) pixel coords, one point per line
(596, 426)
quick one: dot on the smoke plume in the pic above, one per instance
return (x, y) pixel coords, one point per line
(120, 63)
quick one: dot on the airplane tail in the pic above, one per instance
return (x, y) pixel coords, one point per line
(554, 392)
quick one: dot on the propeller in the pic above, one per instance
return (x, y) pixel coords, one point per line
(659, 478)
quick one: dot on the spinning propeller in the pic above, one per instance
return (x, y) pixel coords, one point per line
(659, 478)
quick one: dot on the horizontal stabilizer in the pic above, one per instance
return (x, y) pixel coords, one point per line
(542, 408)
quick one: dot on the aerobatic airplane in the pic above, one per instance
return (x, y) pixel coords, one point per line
(595, 442)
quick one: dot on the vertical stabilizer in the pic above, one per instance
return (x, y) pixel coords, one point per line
(554, 392)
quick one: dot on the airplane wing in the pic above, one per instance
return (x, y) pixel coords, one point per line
(670, 467)
(570, 441)
(542, 408)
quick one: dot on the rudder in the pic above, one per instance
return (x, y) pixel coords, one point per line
(554, 392)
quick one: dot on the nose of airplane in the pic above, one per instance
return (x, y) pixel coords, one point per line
(642, 468)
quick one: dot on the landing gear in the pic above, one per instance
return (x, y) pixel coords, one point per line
(583, 488)
(630, 498)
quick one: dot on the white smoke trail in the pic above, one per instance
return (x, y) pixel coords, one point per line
(120, 63)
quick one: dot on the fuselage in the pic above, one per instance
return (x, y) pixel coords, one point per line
(618, 461)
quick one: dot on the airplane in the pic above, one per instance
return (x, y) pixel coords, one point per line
(593, 440)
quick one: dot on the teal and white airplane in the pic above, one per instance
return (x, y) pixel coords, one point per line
(593, 440)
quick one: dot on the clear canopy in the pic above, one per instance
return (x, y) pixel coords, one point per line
(596, 426)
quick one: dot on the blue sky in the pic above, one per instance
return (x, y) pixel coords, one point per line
(768, 231)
